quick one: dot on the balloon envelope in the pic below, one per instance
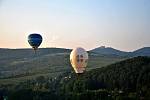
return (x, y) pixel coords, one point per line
(79, 59)
(35, 40)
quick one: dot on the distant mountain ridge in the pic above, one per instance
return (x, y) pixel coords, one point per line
(108, 51)
(142, 52)
(145, 51)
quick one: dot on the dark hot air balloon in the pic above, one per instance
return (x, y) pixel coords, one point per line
(35, 40)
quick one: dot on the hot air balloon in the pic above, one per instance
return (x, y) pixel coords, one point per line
(79, 59)
(35, 40)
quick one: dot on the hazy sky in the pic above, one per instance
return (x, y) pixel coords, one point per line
(122, 24)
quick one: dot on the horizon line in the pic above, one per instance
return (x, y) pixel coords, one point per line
(73, 48)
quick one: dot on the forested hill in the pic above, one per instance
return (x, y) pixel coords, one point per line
(125, 80)
(128, 74)
(131, 76)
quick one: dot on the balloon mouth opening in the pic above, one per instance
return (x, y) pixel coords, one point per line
(80, 70)
(34, 48)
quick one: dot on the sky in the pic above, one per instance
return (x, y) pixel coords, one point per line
(121, 24)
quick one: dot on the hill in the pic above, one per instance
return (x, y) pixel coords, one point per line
(145, 51)
(125, 80)
(23, 64)
(108, 51)
(130, 78)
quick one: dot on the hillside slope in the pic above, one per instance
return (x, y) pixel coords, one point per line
(23, 64)
(125, 80)
(145, 51)
(129, 76)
